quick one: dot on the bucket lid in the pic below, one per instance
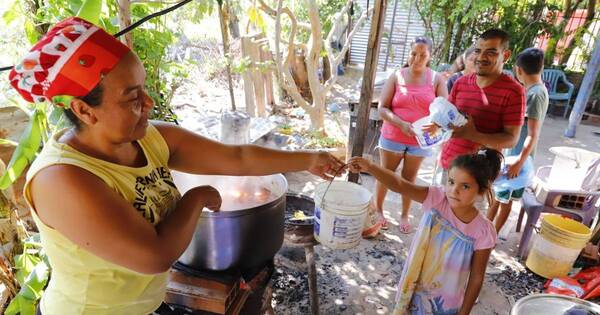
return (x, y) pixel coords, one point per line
(550, 304)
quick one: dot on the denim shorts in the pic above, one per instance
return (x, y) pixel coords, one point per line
(508, 195)
(397, 147)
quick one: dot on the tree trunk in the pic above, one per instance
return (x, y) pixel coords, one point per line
(32, 7)
(300, 74)
(326, 69)
(447, 38)
(223, 21)
(317, 115)
(457, 49)
(591, 12)
(234, 23)
(125, 21)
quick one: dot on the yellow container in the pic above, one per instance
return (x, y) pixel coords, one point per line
(557, 246)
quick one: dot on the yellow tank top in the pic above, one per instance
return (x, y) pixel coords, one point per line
(81, 282)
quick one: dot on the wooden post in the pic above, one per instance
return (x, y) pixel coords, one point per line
(266, 55)
(247, 78)
(585, 91)
(257, 78)
(309, 251)
(366, 91)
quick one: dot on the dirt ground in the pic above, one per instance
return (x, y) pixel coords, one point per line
(362, 280)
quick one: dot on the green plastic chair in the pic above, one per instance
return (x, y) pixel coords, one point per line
(552, 77)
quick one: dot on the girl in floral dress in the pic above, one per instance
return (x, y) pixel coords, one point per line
(445, 268)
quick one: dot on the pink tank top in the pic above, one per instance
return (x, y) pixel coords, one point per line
(410, 103)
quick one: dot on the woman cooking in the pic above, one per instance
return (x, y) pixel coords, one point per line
(111, 220)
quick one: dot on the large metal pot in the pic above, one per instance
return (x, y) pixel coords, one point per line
(236, 238)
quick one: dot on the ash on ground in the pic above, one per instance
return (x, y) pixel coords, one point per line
(518, 283)
(361, 280)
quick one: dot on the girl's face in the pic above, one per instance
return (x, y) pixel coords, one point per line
(470, 63)
(462, 189)
(419, 56)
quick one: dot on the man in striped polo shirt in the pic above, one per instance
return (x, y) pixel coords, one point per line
(493, 101)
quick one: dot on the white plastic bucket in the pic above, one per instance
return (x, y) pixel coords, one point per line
(569, 167)
(340, 215)
(427, 140)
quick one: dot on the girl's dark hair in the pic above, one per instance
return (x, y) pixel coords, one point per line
(422, 40)
(484, 166)
(93, 98)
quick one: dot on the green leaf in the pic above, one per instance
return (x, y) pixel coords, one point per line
(25, 152)
(90, 11)
(10, 14)
(36, 281)
(30, 32)
(25, 263)
(256, 18)
(14, 307)
(21, 306)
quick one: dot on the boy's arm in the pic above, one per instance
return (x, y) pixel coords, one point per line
(535, 113)
(533, 135)
(478, 266)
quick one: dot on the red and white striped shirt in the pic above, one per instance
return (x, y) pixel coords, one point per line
(493, 107)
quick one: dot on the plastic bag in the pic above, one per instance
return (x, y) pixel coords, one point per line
(445, 114)
(503, 183)
(584, 285)
(426, 139)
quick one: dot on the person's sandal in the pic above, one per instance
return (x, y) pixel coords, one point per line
(384, 224)
(405, 228)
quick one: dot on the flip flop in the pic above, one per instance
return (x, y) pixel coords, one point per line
(384, 224)
(405, 228)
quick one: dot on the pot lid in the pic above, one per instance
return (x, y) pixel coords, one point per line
(551, 304)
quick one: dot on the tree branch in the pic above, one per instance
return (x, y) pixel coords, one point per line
(284, 75)
(273, 13)
(314, 53)
(336, 22)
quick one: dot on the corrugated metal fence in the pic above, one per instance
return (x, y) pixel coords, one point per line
(402, 24)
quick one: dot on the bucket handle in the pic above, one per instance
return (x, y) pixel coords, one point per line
(333, 178)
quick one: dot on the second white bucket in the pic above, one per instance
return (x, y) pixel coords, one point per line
(340, 213)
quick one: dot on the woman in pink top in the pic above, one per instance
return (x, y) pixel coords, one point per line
(405, 98)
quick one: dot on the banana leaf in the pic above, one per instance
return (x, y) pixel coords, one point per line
(31, 291)
(26, 150)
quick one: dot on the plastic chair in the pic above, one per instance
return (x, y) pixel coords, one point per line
(577, 204)
(553, 76)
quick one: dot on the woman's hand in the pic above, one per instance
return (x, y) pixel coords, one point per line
(406, 128)
(326, 166)
(359, 164)
(208, 196)
(431, 128)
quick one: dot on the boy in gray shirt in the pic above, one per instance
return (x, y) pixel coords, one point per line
(528, 70)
